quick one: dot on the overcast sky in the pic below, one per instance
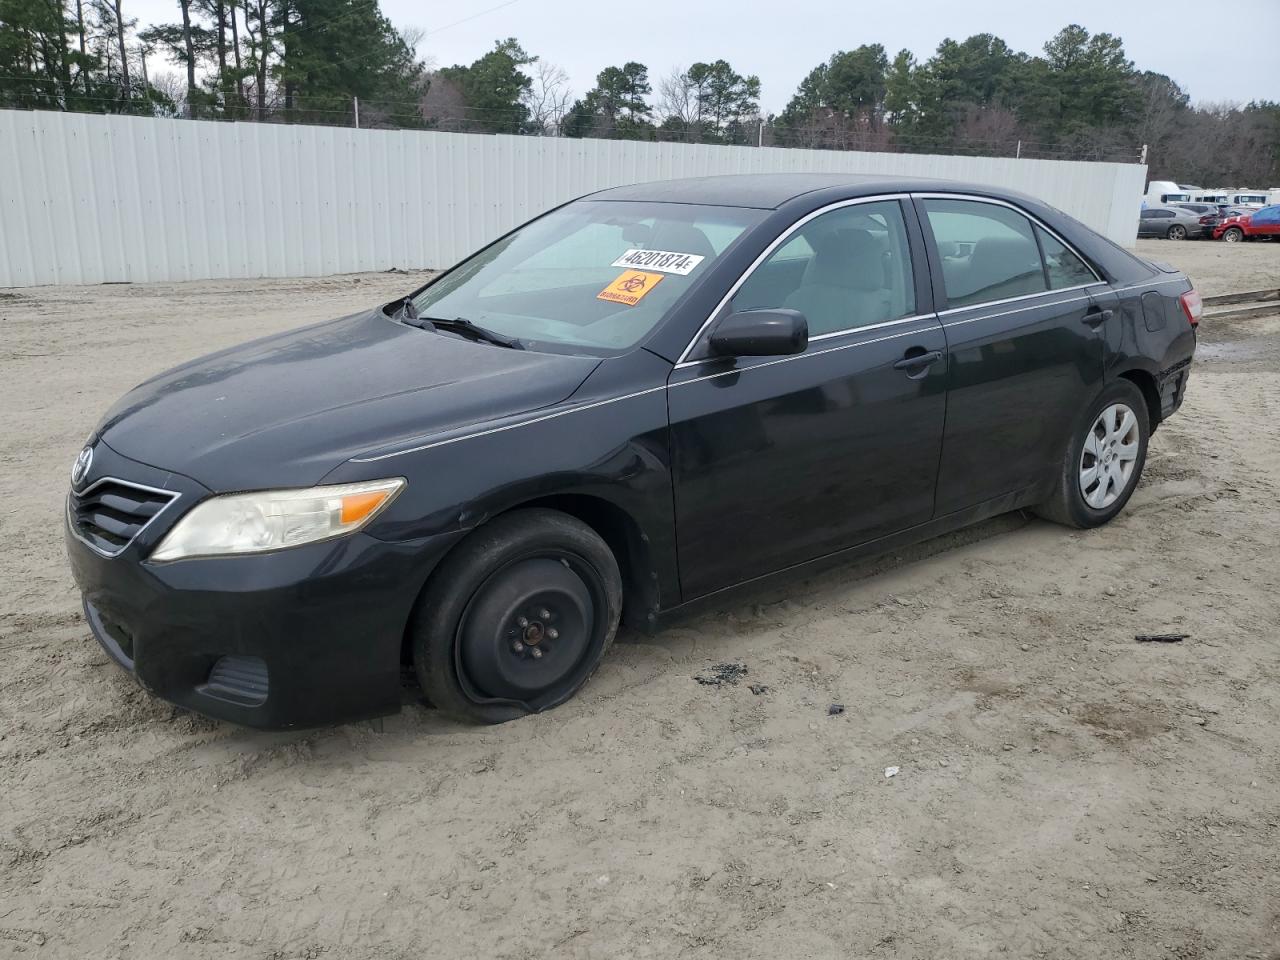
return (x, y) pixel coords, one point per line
(781, 42)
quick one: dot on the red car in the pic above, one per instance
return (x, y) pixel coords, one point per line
(1248, 226)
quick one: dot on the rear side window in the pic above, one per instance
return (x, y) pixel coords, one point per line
(988, 252)
(848, 268)
(1064, 268)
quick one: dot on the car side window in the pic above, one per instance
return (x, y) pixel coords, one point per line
(848, 268)
(988, 252)
(1065, 269)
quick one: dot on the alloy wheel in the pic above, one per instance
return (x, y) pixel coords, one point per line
(1233, 235)
(1177, 232)
(1109, 456)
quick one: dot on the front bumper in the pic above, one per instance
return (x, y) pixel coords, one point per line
(301, 637)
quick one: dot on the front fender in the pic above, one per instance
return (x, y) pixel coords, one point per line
(608, 443)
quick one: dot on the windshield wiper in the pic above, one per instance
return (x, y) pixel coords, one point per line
(409, 314)
(474, 329)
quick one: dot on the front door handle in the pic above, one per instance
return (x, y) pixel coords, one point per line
(1095, 317)
(917, 359)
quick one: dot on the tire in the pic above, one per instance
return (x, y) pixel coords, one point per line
(1076, 502)
(1233, 235)
(1176, 232)
(517, 617)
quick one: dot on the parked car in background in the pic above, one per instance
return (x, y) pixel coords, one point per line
(1172, 223)
(629, 404)
(1209, 214)
(1261, 224)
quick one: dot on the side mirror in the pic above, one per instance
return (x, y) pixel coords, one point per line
(760, 333)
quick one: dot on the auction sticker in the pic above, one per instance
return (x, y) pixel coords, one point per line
(630, 288)
(664, 261)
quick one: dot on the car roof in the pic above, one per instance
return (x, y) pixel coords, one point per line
(769, 191)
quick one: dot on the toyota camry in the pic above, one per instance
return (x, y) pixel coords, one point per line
(631, 404)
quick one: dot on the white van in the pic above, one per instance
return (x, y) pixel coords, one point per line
(1252, 199)
(1166, 191)
(1234, 198)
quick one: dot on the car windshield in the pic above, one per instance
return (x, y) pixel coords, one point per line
(592, 277)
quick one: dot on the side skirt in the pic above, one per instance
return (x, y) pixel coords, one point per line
(1017, 500)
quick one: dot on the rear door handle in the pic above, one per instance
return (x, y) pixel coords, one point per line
(1096, 317)
(917, 361)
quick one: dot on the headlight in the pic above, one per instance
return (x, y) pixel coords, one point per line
(271, 519)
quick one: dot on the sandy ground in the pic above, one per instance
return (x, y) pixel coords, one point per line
(1216, 267)
(1063, 791)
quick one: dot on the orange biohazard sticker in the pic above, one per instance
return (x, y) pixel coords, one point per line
(630, 288)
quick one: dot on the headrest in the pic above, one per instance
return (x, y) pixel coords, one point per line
(996, 260)
(680, 238)
(846, 258)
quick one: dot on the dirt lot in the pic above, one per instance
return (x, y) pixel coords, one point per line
(1063, 791)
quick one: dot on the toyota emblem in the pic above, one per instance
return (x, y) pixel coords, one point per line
(80, 469)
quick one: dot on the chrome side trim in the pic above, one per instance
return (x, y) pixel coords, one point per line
(173, 496)
(1012, 206)
(825, 336)
(1005, 313)
(1025, 296)
(799, 356)
(777, 242)
(505, 427)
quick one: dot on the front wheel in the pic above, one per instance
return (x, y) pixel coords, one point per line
(1233, 235)
(517, 617)
(1177, 232)
(1103, 461)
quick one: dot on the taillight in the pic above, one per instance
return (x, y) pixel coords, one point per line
(1206, 219)
(1192, 306)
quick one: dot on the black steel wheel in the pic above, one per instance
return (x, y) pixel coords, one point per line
(517, 617)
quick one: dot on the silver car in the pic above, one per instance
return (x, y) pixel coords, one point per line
(1171, 222)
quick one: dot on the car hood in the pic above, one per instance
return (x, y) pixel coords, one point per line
(287, 409)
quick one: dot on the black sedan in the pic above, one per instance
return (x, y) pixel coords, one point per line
(632, 403)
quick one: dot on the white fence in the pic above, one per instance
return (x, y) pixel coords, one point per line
(87, 198)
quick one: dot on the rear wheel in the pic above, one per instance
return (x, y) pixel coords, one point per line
(517, 617)
(1233, 235)
(1176, 232)
(1103, 461)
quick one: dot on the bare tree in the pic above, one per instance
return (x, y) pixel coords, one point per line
(413, 37)
(443, 106)
(171, 85)
(678, 98)
(549, 97)
(988, 127)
